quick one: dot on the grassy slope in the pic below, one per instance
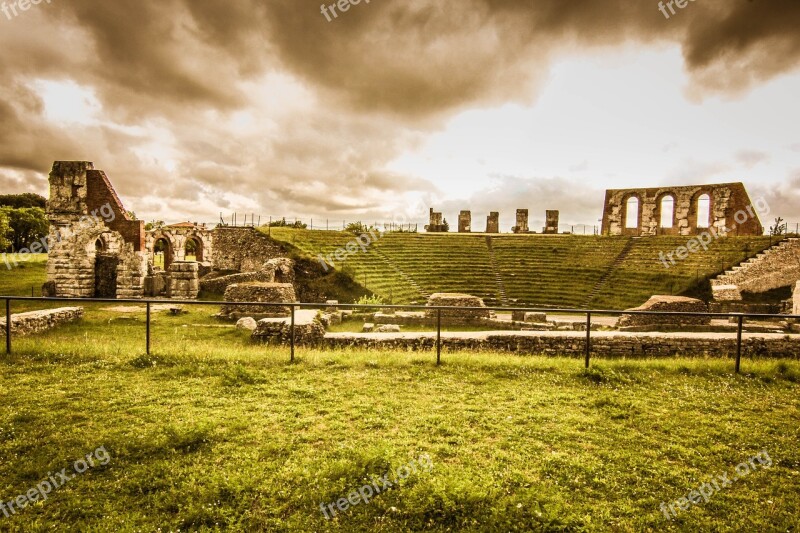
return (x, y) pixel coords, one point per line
(544, 270)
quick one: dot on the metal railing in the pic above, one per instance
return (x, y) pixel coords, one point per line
(295, 306)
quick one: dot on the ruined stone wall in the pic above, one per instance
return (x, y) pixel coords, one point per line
(176, 237)
(725, 201)
(100, 193)
(242, 249)
(604, 344)
(81, 228)
(435, 222)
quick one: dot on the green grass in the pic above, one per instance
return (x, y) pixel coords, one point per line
(28, 275)
(212, 432)
(201, 439)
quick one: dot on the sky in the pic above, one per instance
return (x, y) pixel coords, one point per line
(195, 108)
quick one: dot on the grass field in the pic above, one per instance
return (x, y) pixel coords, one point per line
(214, 433)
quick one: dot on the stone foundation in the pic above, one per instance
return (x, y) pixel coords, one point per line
(38, 321)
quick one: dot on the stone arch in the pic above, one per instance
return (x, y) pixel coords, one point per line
(162, 252)
(193, 247)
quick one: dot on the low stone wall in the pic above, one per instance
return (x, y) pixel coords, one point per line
(38, 321)
(604, 344)
(414, 318)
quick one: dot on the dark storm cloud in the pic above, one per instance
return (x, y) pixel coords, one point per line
(380, 77)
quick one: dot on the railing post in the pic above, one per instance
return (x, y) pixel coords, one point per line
(148, 328)
(291, 336)
(588, 338)
(8, 326)
(739, 343)
(438, 337)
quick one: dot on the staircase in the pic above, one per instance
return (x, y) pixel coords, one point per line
(601, 283)
(405, 277)
(501, 288)
(778, 266)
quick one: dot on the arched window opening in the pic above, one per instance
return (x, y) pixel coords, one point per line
(632, 213)
(99, 246)
(667, 212)
(704, 211)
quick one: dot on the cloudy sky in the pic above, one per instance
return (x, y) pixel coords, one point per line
(196, 107)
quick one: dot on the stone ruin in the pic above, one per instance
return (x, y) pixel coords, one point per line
(551, 222)
(688, 210)
(97, 250)
(522, 222)
(457, 301)
(493, 222)
(669, 322)
(437, 223)
(464, 222)
(258, 291)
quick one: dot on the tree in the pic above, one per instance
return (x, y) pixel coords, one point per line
(29, 225)
(156, 224)
(18, 201)
(5, 232)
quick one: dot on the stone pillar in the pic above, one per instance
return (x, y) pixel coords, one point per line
(551, 222)
(464, 222)
(522, 221)
(184, 280)
(493, 222)
(436, 222)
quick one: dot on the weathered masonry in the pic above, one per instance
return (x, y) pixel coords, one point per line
(465, 222)
(97, 250)
(687, 210)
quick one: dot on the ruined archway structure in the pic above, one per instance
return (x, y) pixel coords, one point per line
(88, 224)
(724, 202)
(96, 249)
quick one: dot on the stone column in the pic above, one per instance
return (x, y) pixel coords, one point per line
(493, 222)
(464, 222)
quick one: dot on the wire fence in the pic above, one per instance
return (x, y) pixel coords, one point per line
(589, 313)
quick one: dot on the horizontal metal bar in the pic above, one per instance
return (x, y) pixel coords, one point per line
(312, 305)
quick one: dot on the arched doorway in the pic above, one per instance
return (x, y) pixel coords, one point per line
(162, 253)
(193, 251)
